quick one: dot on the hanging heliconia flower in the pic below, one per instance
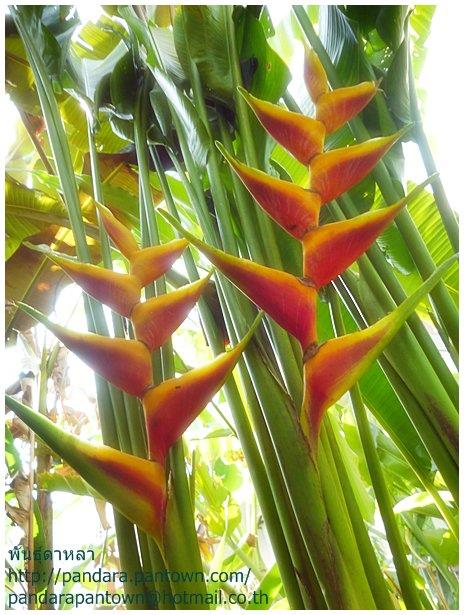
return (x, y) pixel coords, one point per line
(331, 368)
(136, 487)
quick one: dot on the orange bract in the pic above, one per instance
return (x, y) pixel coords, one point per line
(314, 76)
(336, 108)
(302, 136)
(174, 404)
(332, 248)
(294, 208)
(338, 170)
(156, 319)
(151, 263)
(117, 290)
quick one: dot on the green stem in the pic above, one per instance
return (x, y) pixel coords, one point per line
(245, 433)
(419, 421)
(405, 576)
(341, 522)
(370, 562)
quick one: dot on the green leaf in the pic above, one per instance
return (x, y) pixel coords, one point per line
(19, 79)
(29, 212)
(396, 85)
(421, 502)
(12, 456)
(390, 24)
(194, 129)
(205, 29)
(338, 35)
(67, 482)
(123, 86)
(271, 77)
(95, 41)
(271, 586)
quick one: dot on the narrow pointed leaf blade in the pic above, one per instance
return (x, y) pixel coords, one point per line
(135, 486)
(194, 128)
(124, 363)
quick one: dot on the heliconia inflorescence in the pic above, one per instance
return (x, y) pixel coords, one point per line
(136, 487)
(331, 368)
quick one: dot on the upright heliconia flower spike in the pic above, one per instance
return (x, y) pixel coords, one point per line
(314, 75)
(287, 299)
(335, 366)
(293, 207)
(120, 234)
(336, 171)
(339, 106)
(135, 487)
(120, 291)
(301, 135)
(124, 363)
(155, 320)
(171, 407)
(151, 263)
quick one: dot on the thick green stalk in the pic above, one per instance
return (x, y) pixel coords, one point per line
(371, 563)
(419, 252)
(403, 570)
(425, 430)
(251, 452)
(286, 516)
(341, 523)
(304, 487)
